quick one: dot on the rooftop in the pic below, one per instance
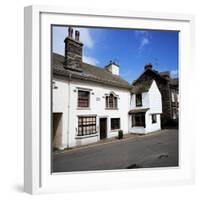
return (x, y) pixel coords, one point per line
(89, 72)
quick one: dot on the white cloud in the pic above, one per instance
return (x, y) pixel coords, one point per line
(144, 41)
(174, 73)
(85, 37)
(90, 60)
(60, 33)
(144, 38)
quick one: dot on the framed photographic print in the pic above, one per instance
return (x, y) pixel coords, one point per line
(106, 102)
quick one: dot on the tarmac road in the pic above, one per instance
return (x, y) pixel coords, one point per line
(154, 150)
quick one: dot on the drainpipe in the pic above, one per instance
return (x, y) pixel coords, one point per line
(69, 97)
(128, 113)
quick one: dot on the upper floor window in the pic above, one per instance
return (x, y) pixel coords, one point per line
(83, 99)
(173, 96)
(111, 101)
(138, 99)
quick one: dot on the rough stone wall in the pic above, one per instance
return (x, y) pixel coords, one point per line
(175, 104)
(73, 54)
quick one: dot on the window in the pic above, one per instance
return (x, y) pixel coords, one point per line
(173, 96)
(138, 98)
(83, 99)
(111, 102)
(86, 125)
(115, 123)
(174, 113)
(154, 118)
(138, 119)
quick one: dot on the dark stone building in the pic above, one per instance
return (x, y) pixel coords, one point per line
(169, 91)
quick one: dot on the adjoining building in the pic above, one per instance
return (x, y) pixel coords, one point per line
(91, 103)
(146, 108)
(169, 91)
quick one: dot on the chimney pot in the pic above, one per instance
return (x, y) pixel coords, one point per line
(77, 35)
(70, 32)
(148, 66)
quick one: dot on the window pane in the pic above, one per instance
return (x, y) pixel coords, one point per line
(138, 119)
(86, 125)
(138, 99)
(83, 98)
(111, 101)
(115, 123)
(154, 119)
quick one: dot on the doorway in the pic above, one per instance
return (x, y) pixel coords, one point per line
(57, 129)
(103, 128)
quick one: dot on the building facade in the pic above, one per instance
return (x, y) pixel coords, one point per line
(146, 108)
(168, 88)
(90, 103)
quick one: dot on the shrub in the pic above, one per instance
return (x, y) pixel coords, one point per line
(120, 134)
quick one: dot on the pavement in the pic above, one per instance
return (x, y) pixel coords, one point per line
(158, 149)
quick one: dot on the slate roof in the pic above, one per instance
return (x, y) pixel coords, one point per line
(89, 72)
(174, 82)
(143, 87)
(162, 75)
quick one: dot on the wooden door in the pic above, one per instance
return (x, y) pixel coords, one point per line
(103, 128)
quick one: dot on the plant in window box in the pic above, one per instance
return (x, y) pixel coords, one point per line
(120, 134)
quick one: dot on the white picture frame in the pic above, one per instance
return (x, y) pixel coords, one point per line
(37, 151)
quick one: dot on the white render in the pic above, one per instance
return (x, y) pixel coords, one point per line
(152, 101)
(65, 99)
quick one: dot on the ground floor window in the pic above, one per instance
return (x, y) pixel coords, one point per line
(154, 118)
(115, 123)
(86, 125)
(138, 119)
(174, 113)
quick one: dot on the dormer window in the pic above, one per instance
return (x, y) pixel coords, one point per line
(111, 101)
(138, 99)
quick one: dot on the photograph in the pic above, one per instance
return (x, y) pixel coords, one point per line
(114, 98)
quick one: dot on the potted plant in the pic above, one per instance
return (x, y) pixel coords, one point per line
(120, 134)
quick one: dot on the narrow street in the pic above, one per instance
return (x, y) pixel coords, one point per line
(153, 150)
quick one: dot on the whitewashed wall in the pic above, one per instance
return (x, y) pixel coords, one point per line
(152, 100)
(60, 104)
(155, 99)
(145, 101)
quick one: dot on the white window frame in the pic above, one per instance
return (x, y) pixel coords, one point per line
(38, 176)
(84, 90)
(114, 96)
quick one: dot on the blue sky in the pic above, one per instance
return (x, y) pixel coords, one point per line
(131, 49)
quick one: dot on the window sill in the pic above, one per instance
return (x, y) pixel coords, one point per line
(83, 108)
(138, 127)
(114, 130)
(86, 136)
(111, 109)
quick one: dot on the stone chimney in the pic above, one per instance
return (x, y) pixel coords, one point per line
(148, 66)
(113, 68)
(73, 51)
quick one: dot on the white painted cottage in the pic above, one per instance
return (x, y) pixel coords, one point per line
(90, 103)
(146, 108)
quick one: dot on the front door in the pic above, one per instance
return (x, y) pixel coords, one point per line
(103, 128)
